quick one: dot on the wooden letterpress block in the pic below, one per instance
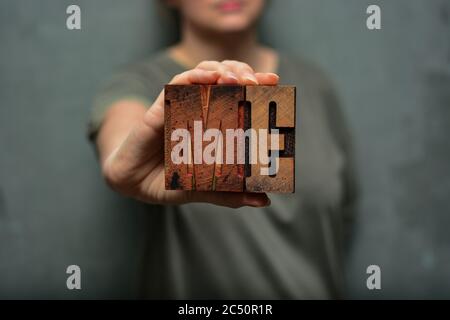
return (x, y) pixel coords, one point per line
(202, 107)
(201, 155)
(273, 107)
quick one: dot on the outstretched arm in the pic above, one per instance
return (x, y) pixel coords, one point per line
(131, 141)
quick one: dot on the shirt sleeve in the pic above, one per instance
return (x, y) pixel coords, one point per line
(125, 85)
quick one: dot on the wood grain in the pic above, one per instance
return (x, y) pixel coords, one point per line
(218, 108)
(225, 107)
(273, 107)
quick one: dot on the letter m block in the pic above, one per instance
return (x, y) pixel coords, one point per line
(214, 107)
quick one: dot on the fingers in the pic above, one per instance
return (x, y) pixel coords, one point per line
(244, 71)
(267, 79)
(154, 117)
(230, 199)
(227, 76)
(236, 72)
(197, 75)
(231, 72)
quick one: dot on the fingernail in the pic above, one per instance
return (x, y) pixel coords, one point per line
(259, 205)
(231, 75)
(274, 74)
(250, 77)
(268, 202)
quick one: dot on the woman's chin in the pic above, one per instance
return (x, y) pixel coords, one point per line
(231, 25)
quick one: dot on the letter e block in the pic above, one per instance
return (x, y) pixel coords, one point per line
(273, 107)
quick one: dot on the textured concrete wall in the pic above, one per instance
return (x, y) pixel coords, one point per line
(56, 211)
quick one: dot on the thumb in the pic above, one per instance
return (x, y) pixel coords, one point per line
(230, 199)
(146, 139)
(155, 115)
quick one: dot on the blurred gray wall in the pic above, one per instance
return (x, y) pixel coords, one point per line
(55, 209)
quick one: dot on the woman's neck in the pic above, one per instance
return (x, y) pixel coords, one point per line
(198, 45)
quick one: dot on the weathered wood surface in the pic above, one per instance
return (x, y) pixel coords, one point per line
(273, 107)
(225, 107)
(218, 108)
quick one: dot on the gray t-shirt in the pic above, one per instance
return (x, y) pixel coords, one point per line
(292, 249)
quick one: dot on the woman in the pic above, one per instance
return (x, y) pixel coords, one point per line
(248, 246)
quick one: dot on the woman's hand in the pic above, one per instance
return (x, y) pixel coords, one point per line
(131, 142)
